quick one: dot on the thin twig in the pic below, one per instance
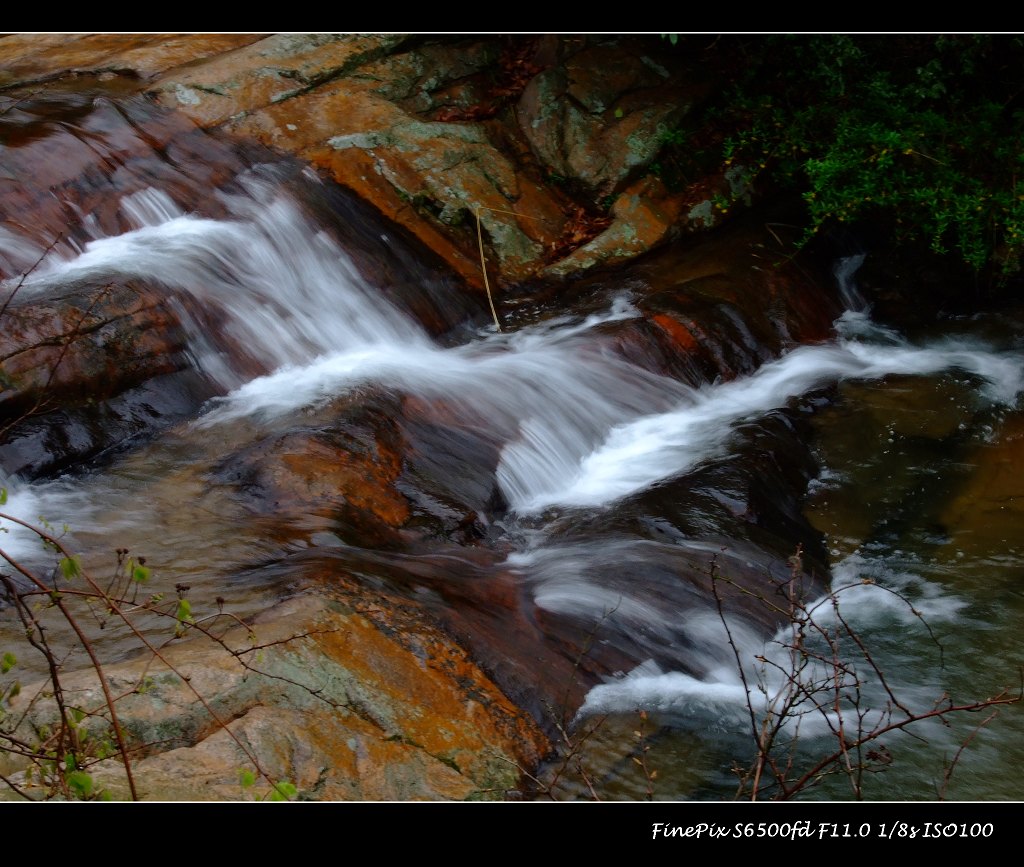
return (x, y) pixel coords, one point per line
(480, 244)
(948, 775)
(72, 621)
(25, 276)
(483, 269)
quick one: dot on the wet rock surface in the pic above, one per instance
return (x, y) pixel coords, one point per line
(434, 132)
(348, 698)
(434, 646)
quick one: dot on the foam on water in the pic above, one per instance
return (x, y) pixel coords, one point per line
(871, 596)
(581, 427)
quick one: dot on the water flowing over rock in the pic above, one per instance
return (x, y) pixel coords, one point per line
(435, 132)
(243, 332)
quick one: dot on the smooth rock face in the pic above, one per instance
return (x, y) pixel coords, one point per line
(987, 512)
(434, 132)
(417, 130)
(598, 116)
(343, 707)
(30, 57)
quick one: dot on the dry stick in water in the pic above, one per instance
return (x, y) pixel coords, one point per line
(483, 268)
(483, 260)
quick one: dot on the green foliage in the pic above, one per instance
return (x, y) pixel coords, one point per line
(183, 614)
(79, 782)
(70, 567)
(923, 132)
(283, 791)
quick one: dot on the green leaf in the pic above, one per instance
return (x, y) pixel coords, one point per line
(69, 761)
(247, 778)
(77, 714)
(140, 574)
(3, 496)
(14, 691)
(70, 567)
(7, 662)
(184, 612)
(283, 791)
(183, 616)
(81, 783)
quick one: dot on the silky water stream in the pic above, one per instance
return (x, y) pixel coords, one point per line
(562, 449)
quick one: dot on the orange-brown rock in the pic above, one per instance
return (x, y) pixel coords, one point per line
(430, 177)
(342, 478)
(987, 513)
(33, 57)
(266, 72)
(591, 116)
(86, 347)
(342, 707)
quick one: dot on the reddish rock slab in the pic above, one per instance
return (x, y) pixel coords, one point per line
(83, 348)
(341, 477)
(27, 58)
(266, 72)
(70, 158)
(738, 297)
(431, 178)
(345, 696)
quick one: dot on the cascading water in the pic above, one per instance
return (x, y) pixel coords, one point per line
(579, 430)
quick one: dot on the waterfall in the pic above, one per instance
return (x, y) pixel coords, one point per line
(579, 428)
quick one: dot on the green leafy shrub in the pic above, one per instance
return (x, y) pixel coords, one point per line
(922, 134)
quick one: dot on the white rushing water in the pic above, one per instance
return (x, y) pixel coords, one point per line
(581, 426)
(871, 595)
